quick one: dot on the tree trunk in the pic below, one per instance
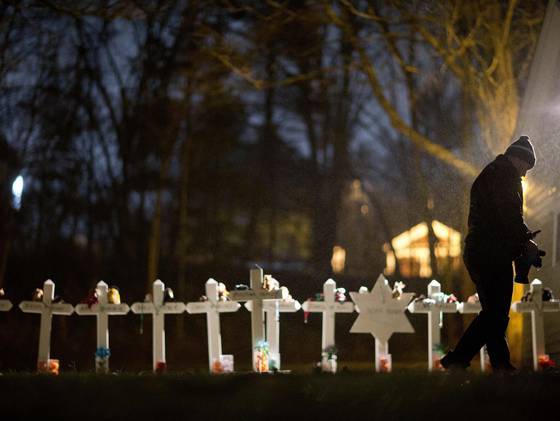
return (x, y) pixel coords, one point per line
(183, 286)
(154, 241)
(265, 183)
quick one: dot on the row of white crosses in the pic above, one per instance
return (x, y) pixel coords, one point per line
(259, 302)
(102, 310)
(380, 315)
(158, 308)
(535, 306)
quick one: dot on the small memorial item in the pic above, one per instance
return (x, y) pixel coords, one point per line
(260, 355)
(113, 295)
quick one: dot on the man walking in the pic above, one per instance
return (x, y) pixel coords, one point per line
(497, 235)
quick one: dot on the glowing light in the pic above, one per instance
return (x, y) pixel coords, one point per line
(338, 259)
(17, 191)
(391, 262)
(525, 187)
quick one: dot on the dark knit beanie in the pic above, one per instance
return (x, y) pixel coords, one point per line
(522, 149)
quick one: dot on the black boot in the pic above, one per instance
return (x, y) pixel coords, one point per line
(504, 368)
(451, 363)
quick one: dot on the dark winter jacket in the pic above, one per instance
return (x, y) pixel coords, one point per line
(496, 226)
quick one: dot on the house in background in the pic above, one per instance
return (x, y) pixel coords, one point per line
(411, 248)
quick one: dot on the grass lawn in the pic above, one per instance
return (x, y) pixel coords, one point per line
(403, 394)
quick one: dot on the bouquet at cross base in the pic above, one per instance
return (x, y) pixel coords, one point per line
(262, 352)
(161, 367)
(223, 364)
(546, 362)
(51, 366)
(437, 354)
(329, 359)
(102, 355)
(385, 363)
(274, 362)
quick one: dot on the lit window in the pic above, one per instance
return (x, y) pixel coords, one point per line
(338, 259)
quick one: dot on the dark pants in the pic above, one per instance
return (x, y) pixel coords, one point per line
(494, 284)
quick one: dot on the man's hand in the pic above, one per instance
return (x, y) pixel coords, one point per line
(531, 249)
(533, 254)
(534, 234)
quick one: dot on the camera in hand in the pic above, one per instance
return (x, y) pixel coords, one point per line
(527, 259)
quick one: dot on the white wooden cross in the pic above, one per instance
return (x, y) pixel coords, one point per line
(257, 294)
(212, 307)
(537, 307)
(329, 307)
(272, 309)
(434, 310)
(102, 310)
(474, 308)
(158, 309)
(46, 308)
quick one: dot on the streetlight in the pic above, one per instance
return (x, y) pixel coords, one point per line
(17, 191)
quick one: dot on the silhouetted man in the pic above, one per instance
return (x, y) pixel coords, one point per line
(497, 236)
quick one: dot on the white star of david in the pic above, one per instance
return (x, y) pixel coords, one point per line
(379, 313)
